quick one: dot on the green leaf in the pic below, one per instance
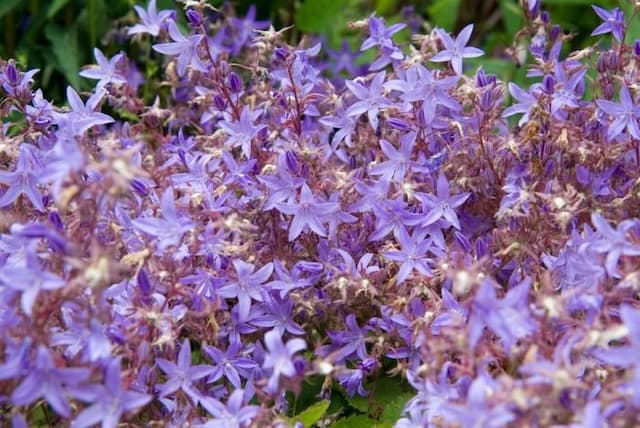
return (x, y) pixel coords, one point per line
(384, 392)
(7, 6)
(511, 15)
(312, 414)
(55, 6)
(385, 7)
(393, 410)
(360, 421)
(321, 16)
(65, 49)
(443, 13)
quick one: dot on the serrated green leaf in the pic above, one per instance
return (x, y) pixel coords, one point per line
(311, 414)
(7, 6)
(360, 421)
(443, 13)
(65, 48)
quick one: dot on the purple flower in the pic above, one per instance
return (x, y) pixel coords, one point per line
(230, 363)
(182, 375)
(244, 28)
(456, 50)
(242, 132)
(279, 357)
(235, 414)
(45, 380)
(151, 19)
(29, 279)
(308, 212)
(625, 114)
(626, 356)
(344, 59)
(371, 99)
(109, 401)
(613, 22)
(399, 160)
(613, 242)
(248, 285)
(170, 228)
(526, 101)
(82, 116)
(105, 72)
(23, 180)
(413, 254)
(509, 318)
(185, 47)
(440, 206)
(353, 340)
(380, 36)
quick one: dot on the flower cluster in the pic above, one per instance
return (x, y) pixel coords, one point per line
(277, 222)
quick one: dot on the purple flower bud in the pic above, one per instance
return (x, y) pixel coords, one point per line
(601, 65)
(194, 17)
(556, 31)
(548, 83)
(486, 101)
(281, 54)
(463, 241)
(399, 124)
(612, 61)
(309, 267)
(291, 160)
(12, 74)
(481, 248)
(636, 47)
(139, 187)
(235, 83)
(219, 102)
(56, 220)
(368, 365)
(144, 283)
(609, 91)
(544, 17)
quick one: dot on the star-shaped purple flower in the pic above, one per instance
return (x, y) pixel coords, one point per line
(613, 23)
(456, 50)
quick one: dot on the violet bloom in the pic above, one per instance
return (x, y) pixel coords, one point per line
(380, 36)
(456, 50)
(82, 116)
(413, 255)
(234, 414)
(170, 228)
(152, 20)
(279, 357)
(29, 279)
(613, 242)
(23, 180)
(352, 340)
(182, 375)
(626, 356)
(371, 99)
(242, 132)
(105, 72)
(109, 401)
(526, 101)
(186, 48)
(509, 318)
(625, 115)
(440, 206)
(308, 212)
(230, 363)
(45, 380)
(248, 285)
(613, 23)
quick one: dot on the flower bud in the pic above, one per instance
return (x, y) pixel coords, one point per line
(399, 124)
(612, 61)
(56, 220)
(292, 161)
(601, 65)
(139, 187)
(544, 17)
(12, 74)
(144, 283)
(636, 47)
(556, 31)
(548, 84)
(194, 17)
(219, 102)
(235, 83)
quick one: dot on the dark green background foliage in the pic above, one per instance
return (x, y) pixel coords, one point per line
(57, 36)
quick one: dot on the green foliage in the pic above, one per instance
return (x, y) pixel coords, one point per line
(360, 421)
(444, 13)
(311, 414)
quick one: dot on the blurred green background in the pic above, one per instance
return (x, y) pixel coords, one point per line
(57, 36)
